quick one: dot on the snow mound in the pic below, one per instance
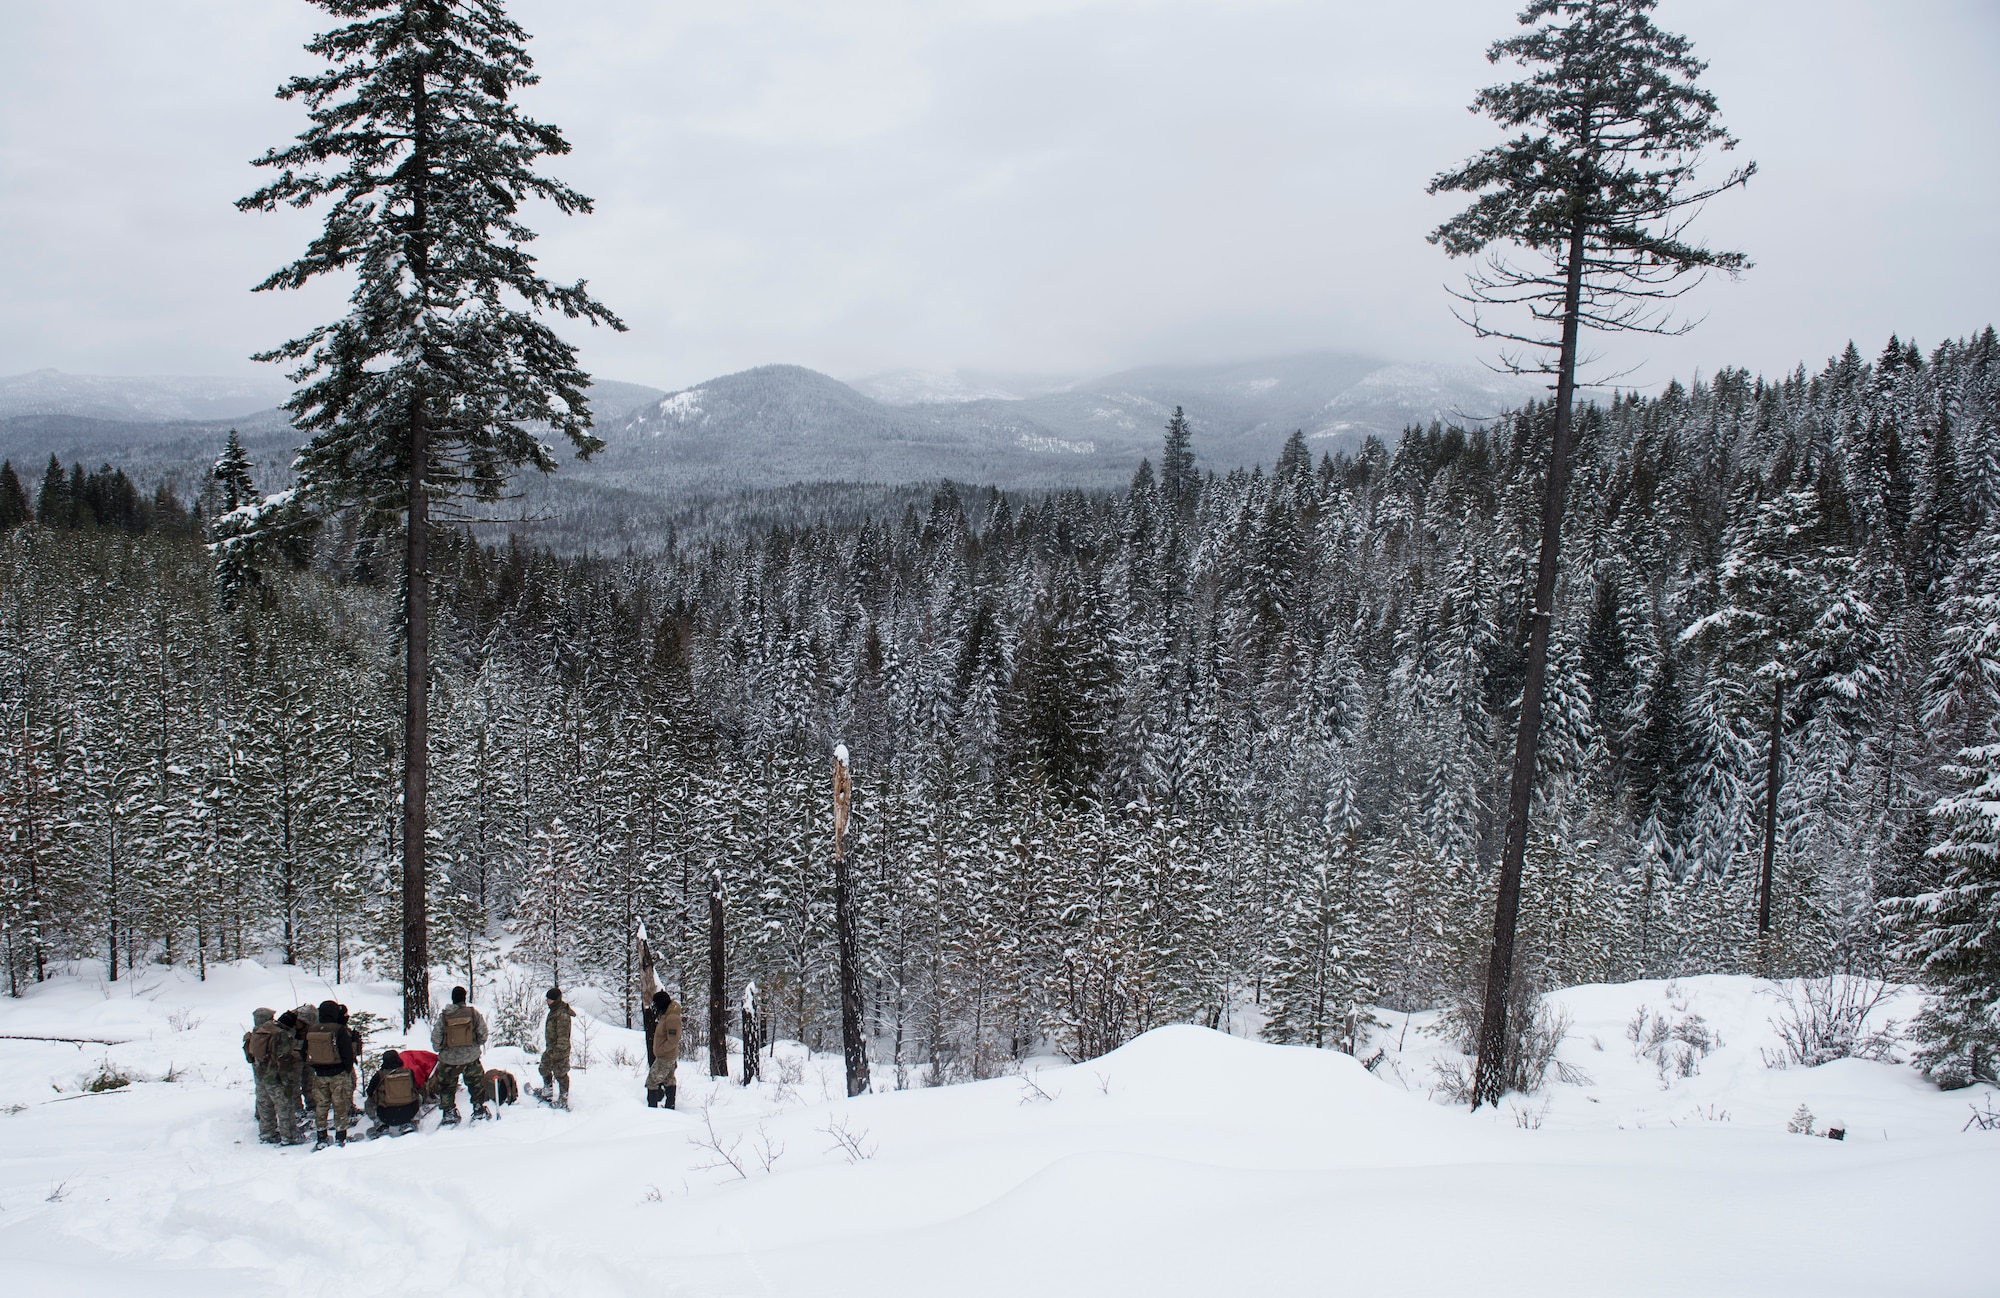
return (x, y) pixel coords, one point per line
(1185, 1162)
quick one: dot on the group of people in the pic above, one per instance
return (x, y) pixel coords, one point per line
(305, 1061)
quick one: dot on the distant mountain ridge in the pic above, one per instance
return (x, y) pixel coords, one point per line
(784, 423)
(781, 424)
(138, 399)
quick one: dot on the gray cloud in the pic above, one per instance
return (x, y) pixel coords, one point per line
(1066, 186)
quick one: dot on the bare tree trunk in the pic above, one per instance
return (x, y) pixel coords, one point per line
(416, 726)
(1771, 771)
(1489, 1078)
(718, 983)
(853, 1043)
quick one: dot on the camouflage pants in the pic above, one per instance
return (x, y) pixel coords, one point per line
(444, 1082)
(335, 1093)
(555, 1069)
(277, 1105)
(661, 1073)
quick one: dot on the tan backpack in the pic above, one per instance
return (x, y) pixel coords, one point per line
(458, 1028)
(399, 1087)
(257, 1044)
(323, 1045)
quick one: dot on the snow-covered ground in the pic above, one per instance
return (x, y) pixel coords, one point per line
(1189, 1162)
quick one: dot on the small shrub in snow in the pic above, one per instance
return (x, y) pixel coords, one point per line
(1987, 1119)
(107, 1079)
(1801, 1123)
(183, 1020)
(767, 1150)
(1530, 1117)
(724, 1155)
(1824, 1019)
(846, 1140)
(1676, 1046)
(517, 1015)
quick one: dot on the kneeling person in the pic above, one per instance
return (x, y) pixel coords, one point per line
(394, 1096)
(457, 1035)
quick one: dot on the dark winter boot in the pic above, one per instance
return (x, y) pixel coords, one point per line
(340, 1138)
(653, 1095)
(449, 1118)
(670, 1096)
(480, 1113)
(319, 1141)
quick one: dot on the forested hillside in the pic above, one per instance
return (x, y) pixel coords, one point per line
(1119, 760)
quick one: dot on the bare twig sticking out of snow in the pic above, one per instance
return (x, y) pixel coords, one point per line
(1034, 1094)
(1103, 1082)
(767, 1150)
(57, 1192)
(725, 1155)
(1571, 1075)
(854, 1144)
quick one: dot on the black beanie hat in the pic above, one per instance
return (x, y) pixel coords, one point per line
(390, 1059)
(329, 1011)
(289, 1018)
(661, 1000)
(555, 993)
(458, 995)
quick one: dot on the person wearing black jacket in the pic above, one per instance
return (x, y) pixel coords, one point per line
(393, 1096)
(330, 1050)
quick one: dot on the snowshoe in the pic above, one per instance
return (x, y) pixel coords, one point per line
(480, 1113)
(406, 1128)
(449, 1118)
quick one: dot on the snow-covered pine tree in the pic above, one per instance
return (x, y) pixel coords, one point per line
(434, 381)
(1949, 933)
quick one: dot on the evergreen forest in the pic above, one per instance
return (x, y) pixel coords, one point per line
(1225, 748)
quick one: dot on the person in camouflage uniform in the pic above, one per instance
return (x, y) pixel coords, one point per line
(304, 1019)
(457, 1034)
(555, 1050)
(332, 1048)
(666, 1045)
(273, 1054)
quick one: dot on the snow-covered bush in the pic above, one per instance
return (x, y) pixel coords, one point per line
(517, 1014)
(1675, 1044)
(1824, 1019)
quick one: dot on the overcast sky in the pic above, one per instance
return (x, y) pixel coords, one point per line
(1042, 185)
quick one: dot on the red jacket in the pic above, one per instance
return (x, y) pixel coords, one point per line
(421, 1062)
